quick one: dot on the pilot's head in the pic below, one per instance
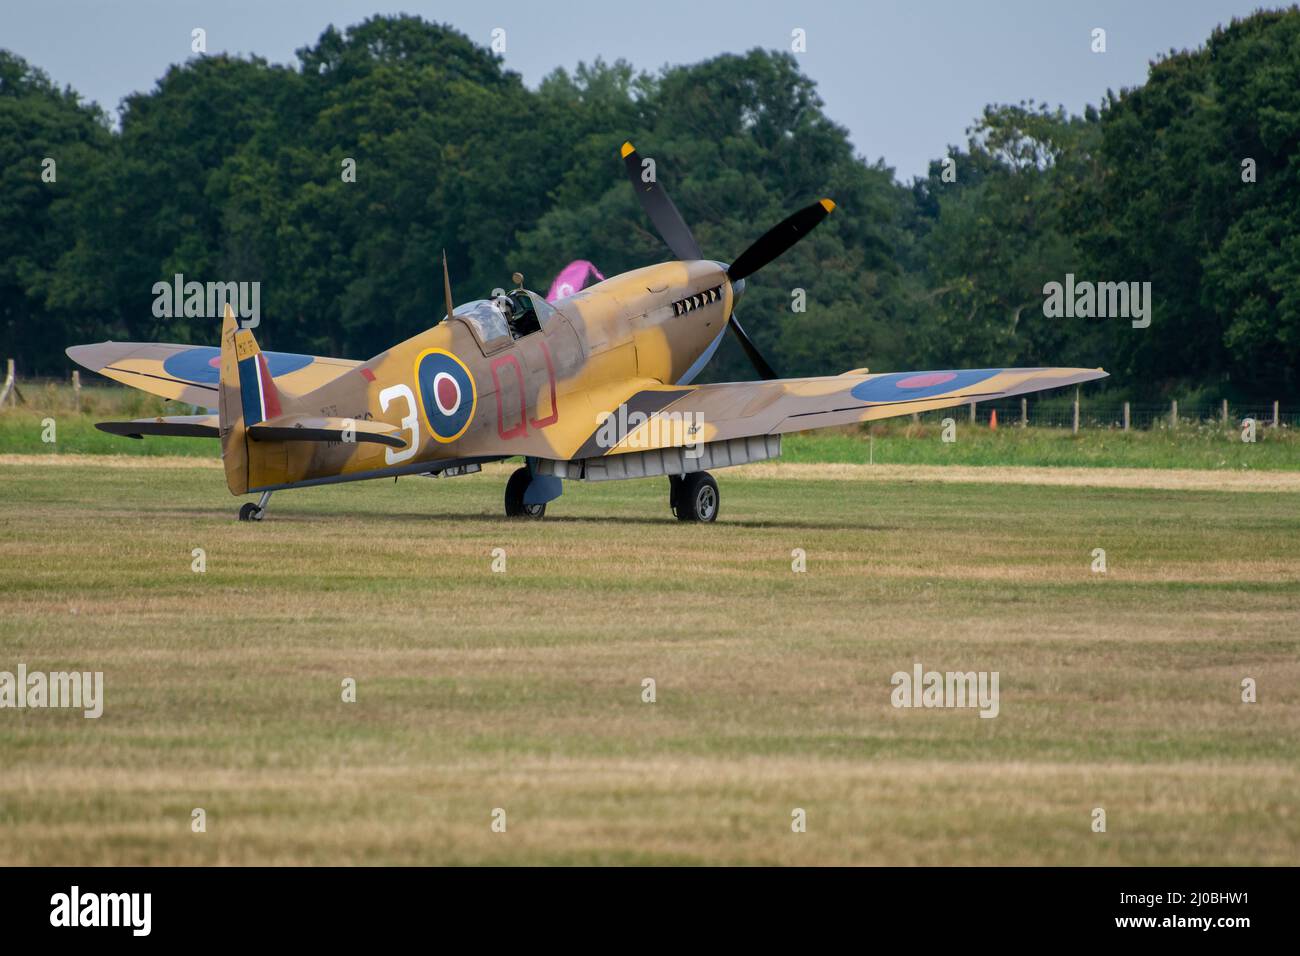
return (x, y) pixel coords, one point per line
(507, 307)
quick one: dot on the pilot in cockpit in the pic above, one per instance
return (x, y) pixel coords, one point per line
(526, 321)
(519, 311)
(506, 307)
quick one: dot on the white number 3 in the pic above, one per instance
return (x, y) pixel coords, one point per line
(410, 423)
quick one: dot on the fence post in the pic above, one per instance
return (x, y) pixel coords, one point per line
(1076, 410)
(1126, 417)
(972, 413)
(1024, 413)
(1275, 415)
(1173, 414)
(76, 387)
(9, 382)
(1225, 413)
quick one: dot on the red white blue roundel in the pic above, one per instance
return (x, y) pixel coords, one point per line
(447, 393)
(905, 386)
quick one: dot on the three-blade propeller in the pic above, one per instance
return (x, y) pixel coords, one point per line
(677, 235)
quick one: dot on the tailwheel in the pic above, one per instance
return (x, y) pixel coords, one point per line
(515, 489)
(255, 512)
(696, 498)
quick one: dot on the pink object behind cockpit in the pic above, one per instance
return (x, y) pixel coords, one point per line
(574, 277)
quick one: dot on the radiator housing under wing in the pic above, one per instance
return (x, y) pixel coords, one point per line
(665, 461)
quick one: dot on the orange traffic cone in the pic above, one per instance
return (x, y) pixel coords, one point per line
(993, 420)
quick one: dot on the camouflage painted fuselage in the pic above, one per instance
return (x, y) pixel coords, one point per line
(539, 396)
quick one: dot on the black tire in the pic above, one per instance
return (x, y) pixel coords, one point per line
(250, 512)
(515, 488)
(698, 499)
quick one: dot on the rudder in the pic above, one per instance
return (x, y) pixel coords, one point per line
(242, 396)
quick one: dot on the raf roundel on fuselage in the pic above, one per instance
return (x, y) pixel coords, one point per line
(447, 393)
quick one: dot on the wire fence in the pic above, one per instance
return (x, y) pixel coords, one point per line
(1052, 412)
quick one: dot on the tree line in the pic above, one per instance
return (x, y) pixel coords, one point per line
(237, 170)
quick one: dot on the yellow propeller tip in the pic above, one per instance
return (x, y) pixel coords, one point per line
(828, 205)
(628, 148)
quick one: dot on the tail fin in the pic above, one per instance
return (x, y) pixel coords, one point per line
(258, 395)
(246, 396)
(230, 414)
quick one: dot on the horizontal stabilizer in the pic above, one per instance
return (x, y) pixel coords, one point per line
(305, 428)
(176, 426)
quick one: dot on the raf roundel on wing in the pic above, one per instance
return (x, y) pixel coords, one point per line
(909, 386)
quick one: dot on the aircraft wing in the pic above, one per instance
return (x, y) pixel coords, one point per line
(188, 373)
(746, 409)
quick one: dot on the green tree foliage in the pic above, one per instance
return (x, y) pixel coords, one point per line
(1170, 205)
(156, 205)
(39, 122)
(740, 142)
(992, 232)
(230, 169)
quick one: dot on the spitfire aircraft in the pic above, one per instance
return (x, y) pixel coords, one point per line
(594, 387)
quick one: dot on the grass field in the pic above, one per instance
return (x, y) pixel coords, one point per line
(522, 690)
(896, 441)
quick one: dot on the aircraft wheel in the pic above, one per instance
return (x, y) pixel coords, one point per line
(515, 488)
(250, 512)
(698, 499)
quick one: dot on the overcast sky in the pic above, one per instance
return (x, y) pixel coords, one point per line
(905, 78)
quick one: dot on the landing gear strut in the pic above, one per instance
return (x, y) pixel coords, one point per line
(255, 512)
(515, 488)
(694, 497)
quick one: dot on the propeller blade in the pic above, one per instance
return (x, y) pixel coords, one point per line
(755, 357)
(654, 200)
(778, 239)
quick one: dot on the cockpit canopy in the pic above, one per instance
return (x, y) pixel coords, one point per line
(511, 315)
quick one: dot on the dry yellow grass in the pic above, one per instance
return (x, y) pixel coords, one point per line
(523, 690)
(1171, 479)
(687, 810)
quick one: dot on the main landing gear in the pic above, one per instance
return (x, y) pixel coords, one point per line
(255, 512)
(515, 488)
(693, 497)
